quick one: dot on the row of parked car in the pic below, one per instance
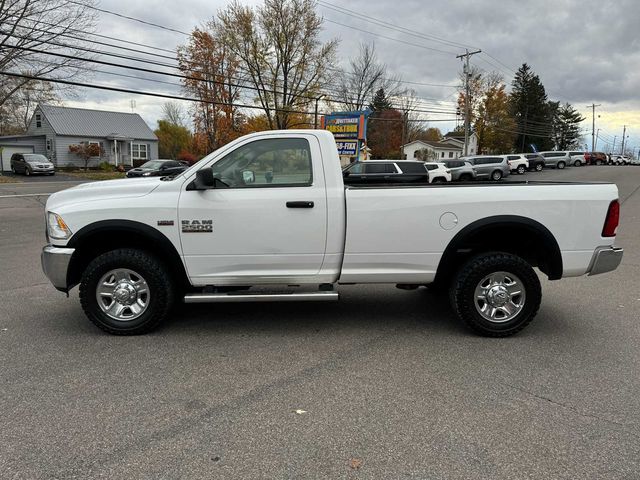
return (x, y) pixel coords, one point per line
(477, 167)
(33, 163)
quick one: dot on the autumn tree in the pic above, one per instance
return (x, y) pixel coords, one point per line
(494, 126)
(384, 134)
(432, 134)
(210, 68)
(280, 53)
(86, 151)
(172, 139)
(31, 30)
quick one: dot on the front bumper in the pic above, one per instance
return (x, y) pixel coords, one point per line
(55, 264)
(605, 259)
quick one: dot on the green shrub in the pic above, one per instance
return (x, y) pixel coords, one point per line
(106, 167)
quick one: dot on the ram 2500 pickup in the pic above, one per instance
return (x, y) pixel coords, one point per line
(270, 210)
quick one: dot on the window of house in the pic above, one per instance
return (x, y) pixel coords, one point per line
(450, 154)
(139, 151)
(38, 120)
(442, 155)
(267, 163)
(48, 144)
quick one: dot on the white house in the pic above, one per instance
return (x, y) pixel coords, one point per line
(457, 139)
(438, 150)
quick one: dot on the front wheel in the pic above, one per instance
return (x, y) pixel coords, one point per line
(598, 162)
(497, 175)
(521, 169)
(561, 165)
(496, 294)
(577, 163)
(539, 167)
(438, 180)
(27, 171)
(126, 292)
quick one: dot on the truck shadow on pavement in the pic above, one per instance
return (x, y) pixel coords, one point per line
(387, 308)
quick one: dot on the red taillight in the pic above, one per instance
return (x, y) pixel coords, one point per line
(612, 220)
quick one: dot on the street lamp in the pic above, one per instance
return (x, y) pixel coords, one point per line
(315, 115)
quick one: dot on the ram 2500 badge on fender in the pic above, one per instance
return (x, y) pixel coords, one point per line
(271, 209)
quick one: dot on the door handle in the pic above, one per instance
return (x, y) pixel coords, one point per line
(300, 204)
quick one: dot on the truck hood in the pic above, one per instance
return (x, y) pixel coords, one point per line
(104, 190)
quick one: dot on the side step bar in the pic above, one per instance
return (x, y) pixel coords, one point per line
(261, 297)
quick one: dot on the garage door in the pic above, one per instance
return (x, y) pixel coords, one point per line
(6, 151)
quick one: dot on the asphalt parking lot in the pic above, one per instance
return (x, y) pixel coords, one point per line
(388, 384)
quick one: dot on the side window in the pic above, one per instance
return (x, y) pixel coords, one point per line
(431, 167)
(377, 168)
(267, 163)
(356, 168)
(513, 157)
(412, 167)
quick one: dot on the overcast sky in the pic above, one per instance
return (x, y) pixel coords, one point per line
(584, 51)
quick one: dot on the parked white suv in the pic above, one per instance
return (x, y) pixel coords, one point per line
(517, 162)
(438, 172)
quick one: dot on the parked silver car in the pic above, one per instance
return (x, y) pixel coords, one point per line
(461, 170)
(557, 160)
(489, 167)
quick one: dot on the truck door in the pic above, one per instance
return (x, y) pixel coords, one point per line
(266, 220)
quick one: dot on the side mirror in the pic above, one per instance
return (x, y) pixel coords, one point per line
(248, 176)
(204, 180)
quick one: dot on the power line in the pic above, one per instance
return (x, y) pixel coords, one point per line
(128, 17)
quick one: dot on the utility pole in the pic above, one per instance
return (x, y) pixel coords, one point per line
(613, 149)
(624, 131)
(467, 103)
(593, 149)
(593, 126)
(315, 113)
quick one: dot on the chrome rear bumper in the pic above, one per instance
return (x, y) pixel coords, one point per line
(55, 263)
(605, 259)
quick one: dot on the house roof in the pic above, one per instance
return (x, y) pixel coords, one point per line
(454, 135)
(433, 144)
(96, 123)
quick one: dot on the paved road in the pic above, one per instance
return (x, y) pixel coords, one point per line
(389, 381)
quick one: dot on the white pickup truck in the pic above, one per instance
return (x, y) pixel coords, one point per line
(270, 210)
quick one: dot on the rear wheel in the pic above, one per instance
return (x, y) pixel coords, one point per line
(438, 180)
(598, 162)
(13, 169)
(496, 175)
(126, 292)
(465, 177)
(521, 169)
(561, 165)
(577, 163)
(496, 294)
(539, 167)
(27, 171)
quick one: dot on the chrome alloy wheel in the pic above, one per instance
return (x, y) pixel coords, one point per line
(500, 297)
(122, 294)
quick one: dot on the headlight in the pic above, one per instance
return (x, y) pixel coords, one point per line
(56, 227)
(146, 174)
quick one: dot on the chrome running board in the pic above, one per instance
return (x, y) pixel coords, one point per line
(261, 297)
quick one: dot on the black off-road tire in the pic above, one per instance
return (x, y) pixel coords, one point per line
(161, 290)
(462, 293)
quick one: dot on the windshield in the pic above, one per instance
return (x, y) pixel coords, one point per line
(151, 165)
(33, 157)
